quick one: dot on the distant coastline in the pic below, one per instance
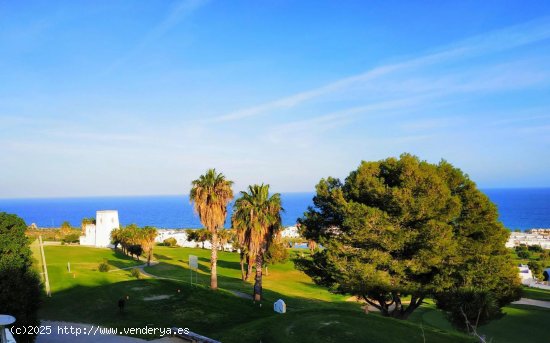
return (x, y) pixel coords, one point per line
(519, 208)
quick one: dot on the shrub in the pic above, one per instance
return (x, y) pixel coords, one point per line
(170, 242)
(521, 247)
(523, 254)
(536, 269)
(135, 273)
(469, 308)
(535, 248)
(104, 266)
(71, 238)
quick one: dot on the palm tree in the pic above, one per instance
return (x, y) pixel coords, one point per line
(257, 218)
(147, 237)
(210, 194)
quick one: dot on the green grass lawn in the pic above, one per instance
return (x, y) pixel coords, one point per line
(536, 293)
(314, 314)
(521, 323)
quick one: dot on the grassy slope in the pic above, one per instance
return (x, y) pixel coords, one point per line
(520, 324)
(536, 293)
(91, 297)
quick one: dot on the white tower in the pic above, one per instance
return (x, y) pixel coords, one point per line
(105, 222)
(99, 235)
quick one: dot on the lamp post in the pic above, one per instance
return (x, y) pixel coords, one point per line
(4, 321)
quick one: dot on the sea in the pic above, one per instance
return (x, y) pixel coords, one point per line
(519, 208)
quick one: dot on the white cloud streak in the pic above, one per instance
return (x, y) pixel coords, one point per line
(500, 40)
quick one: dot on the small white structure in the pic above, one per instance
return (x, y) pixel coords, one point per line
(525, 274)
(99, 234)
(279, 306)
(290, 232)
(193, 262)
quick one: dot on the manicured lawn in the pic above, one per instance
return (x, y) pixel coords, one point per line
(536, 293)
(283, 280)
(314, 315)
(521, 323)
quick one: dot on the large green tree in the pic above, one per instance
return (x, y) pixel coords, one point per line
(20, 287)
(257, 218)
(401, 227)
(210, 194)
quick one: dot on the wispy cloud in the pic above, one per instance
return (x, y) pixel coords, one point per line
(491, 42)
(182, 10)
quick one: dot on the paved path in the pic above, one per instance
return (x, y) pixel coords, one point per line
(532, 302)
(241, 294)
(57, 335)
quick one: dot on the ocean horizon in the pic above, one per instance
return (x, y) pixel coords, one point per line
(519, 208)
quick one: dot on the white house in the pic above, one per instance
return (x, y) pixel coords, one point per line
(290, 232)
(99, 234)
(526, 238)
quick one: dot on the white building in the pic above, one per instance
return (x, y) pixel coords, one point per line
(518, 238)
(99, 234)
(290, 232)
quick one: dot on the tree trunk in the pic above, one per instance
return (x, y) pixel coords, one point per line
(243, 275)
(214, 262)
(249, 267)
(258, 278)
(149, 256)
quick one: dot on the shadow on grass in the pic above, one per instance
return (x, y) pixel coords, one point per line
(160, 257)
(221, 315)
(122, 260)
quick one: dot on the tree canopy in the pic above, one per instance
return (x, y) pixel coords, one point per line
(404, 226)
(20, 288)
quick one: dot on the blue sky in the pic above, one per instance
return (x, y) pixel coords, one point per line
(140, 97)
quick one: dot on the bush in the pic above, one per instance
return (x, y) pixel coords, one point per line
(521, 247)
(71, 238)
(135, 273)
(536, 268)
(523, 254)
(103, 266)
(170, 242)
(469, 308)
(535, 248)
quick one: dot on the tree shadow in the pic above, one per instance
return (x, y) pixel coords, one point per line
(161, 257)
(122, 261)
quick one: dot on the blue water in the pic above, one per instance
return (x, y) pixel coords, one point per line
(159, 211)
(518, 208)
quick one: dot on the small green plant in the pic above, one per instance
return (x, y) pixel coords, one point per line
(135, 273)
(170, 242)
(104, 266)
(71, 238)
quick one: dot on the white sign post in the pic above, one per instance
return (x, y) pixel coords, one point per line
(193, 265)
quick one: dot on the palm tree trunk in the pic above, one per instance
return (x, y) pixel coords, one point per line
(250, 264)
(258, 278)
(214, 262)
(243, 275)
